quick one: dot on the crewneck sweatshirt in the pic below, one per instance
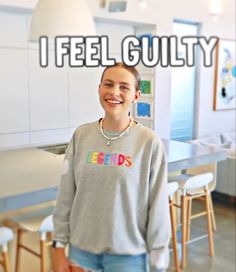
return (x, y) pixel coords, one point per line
(114, 199)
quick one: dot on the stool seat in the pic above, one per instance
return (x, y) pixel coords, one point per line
(195, 187)
(33, 221)
(47, 225)
(193, 184)
(6, 235)
(39, 221)
(172, 188)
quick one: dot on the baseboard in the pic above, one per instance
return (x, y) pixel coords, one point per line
(224, 198)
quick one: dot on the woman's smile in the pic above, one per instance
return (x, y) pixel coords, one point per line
(113, 102)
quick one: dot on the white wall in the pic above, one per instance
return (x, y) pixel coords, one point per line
(162, 15)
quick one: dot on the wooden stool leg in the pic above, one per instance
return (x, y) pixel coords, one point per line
(209, 224)
(212, 214)
(183, 243)
(174, 236)
(18, 243)
(43, 255)
(50, 238)
(189, 212)
(6, 262)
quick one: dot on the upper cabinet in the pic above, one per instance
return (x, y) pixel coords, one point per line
(13, 30)
(14, 99)
(48, 88)
(83, 95)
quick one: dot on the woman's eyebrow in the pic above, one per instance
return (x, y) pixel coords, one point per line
(108, 80)
(122, 82)
(125, 83)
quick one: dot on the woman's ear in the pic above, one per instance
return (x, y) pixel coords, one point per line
(136, 96)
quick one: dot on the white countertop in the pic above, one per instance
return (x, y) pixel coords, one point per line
(27, 170)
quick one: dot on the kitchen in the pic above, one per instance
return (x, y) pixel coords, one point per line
(41, 107)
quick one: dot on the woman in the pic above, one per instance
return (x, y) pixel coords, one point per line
(112, 206)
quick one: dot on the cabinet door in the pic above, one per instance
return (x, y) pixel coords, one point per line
(14, 103)
(13, 30)
(84, 99)
(48, 95)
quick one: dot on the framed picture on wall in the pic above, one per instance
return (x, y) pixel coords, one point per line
(146, 85)
(225, 76)
(144, 109)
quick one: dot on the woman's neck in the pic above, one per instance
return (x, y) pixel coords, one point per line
(116, 124)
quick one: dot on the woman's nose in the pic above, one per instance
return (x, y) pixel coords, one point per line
(116, 90)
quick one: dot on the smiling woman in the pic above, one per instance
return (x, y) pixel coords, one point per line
(112, 207)
(117, 91)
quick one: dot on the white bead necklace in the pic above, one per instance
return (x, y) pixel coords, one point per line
(110, 139)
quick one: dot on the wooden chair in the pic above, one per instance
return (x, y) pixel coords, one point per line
(195, 187)
(6, 235)
(172, 189)
(38, 221)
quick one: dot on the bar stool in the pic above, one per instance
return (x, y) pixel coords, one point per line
(38, 221)
(195, 187)
(172, 189)
(211, 186)
(6, 235)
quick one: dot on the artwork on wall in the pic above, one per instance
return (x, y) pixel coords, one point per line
(144, 109)
(146, 85)
(225, 76)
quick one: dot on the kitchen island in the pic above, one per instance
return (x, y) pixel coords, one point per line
(31, 176)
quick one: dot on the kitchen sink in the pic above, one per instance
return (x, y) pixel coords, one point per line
(56, 149)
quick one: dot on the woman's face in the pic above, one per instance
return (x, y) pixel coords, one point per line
(117, 91)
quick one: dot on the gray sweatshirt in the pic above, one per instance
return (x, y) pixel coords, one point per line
(113, 199)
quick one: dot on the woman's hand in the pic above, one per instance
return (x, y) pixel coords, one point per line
(59, 261)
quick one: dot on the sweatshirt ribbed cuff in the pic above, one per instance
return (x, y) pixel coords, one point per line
(159, 259)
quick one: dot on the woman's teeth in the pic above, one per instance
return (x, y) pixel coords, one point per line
(114, 101)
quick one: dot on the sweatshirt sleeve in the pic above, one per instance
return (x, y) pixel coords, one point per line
(67, 188)
(158, 228)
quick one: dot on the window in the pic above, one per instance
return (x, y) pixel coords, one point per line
(183, 89)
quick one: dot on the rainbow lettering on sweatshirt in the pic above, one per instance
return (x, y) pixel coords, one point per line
(109, 159)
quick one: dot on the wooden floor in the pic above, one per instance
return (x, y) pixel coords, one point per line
(198, 259)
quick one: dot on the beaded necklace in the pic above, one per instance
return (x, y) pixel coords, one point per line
(110, 139)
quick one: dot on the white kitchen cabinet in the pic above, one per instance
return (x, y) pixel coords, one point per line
(14, 102)
(13, 30)
(48, 89)
(50, 136)
(83, 93)
(14, 140)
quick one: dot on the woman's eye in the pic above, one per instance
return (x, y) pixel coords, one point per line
(107, 84)
(124, 88)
